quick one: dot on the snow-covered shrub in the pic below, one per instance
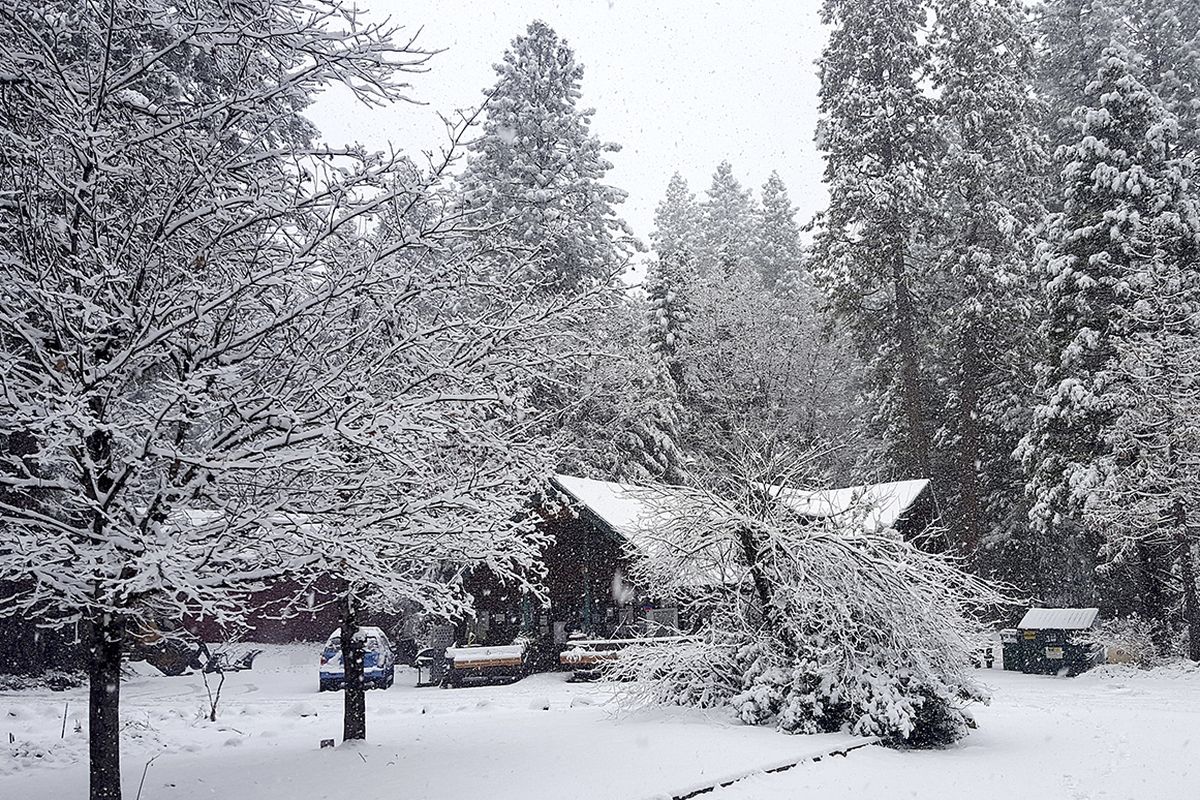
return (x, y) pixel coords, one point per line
(811, 626)
(56, 680)
(1131, 640)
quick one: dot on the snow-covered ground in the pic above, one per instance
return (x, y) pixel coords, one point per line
(1108, 734)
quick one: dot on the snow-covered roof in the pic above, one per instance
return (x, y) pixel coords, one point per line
(639, 514)
(632, 510)
(644, 517)
(1068, 619)
(879, 505)
(626, 509)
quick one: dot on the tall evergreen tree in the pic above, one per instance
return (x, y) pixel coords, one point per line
(776, 252)
(1072, 34)
(538, 168)
(676, 221)
(873, 131)
(1164, 33)
(1092, 251)
(1148, 504)
(623, 417)
(727, 217)
(987, 194)
(669, 284)
(1149, 496)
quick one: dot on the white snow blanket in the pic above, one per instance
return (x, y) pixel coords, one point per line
(1066, 619)
(1113, 733)
(875, 506)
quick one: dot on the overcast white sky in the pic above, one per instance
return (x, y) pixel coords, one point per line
(680, 85)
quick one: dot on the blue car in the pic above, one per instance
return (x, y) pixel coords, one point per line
(379, 661)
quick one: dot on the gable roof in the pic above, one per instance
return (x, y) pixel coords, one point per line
(1066, 619)
(631, 511)
(643, 515)
(618, 505)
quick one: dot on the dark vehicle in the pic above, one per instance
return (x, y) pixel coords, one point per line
(379, 662)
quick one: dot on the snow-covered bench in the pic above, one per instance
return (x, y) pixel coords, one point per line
(499, 661)
(586, 656)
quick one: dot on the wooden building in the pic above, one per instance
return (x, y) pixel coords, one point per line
(600, 528)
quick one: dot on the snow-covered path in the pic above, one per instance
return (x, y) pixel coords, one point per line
(1123, 735)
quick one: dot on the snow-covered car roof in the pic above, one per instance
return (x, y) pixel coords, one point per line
(1066, 619)
(365, 630)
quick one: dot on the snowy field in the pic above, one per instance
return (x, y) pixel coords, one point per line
(1108, 734)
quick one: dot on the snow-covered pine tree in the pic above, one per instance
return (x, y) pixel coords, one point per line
(1163, 33)
(727, 216)
(874, 132)
(677, 221)
(654, 433)
(987, 192)
(538, 169)
(775, 246)
(1091, 253)
(622, 421)
(670, 282)
(1150, 494)
(1071, 36)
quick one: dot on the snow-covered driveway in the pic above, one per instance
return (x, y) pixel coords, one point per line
(1099, 736)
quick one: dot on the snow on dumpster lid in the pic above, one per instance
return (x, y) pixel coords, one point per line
(1067, 619)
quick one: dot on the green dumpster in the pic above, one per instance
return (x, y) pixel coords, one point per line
(1013, 649)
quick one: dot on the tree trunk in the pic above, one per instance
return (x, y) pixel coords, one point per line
(1191, 607)
(969, 447)
(917, 444)
(104, 707)
(763, 588)
(1150, 592)
(354, 715)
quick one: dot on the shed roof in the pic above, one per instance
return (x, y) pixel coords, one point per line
(1066, 619)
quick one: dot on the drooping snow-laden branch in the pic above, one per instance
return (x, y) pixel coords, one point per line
(809, 624)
